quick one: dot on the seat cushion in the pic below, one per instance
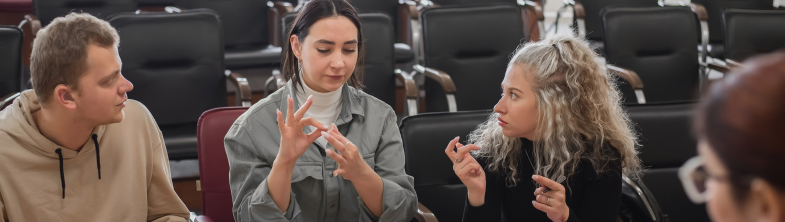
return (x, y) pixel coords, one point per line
(403, 53)
(664, 133)
(664, 184)
(252, 57)
(180, 141)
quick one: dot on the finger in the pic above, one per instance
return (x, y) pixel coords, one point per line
(281, 123)
(450, 150)
(542, 207)
(465, 150)
(335, 156)
(338, 172)
(313, 122)
(538, 191)
(289, 111)
(333, 141)
(548, 183)
(469, 170)
(301, 112)
(338, 136)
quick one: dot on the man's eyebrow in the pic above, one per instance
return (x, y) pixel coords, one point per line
(115, 73)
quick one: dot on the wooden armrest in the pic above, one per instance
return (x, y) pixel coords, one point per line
(424, 214)
(33, 22)
(533, 19)
(442, 77)
(699, 10)
(276, 11)
(275, 78)
(733, 64)
(8, 99)
(578, 9)
(243, 95)
(628, 75)
(632, 78)
(718, 67)
(407, 12)
(410, 89)
(203, 219)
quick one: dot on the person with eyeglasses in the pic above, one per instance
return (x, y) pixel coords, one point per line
(741, 145)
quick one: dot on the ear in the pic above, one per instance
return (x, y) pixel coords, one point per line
(769, 205)
(64, 97)
(296, 47)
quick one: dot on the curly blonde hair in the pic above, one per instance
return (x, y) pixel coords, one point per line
(580, 115)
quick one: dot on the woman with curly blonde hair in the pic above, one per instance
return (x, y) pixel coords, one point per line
(560, 120)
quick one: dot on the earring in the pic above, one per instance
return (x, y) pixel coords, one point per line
(300, 67)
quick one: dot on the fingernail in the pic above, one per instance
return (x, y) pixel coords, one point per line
(328, 151)
(325, 135)
(532, 202)
(309, 97)
(456, 137)
(534, 177)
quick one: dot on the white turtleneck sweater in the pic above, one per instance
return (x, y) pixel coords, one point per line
(325, 108)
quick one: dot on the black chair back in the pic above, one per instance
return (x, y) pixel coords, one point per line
(715, 8)
(48, 10)
(665, 144)
(660, 45)
(425, 137)
(244, 21)
(10, 60)
(473, 47)
(175, 62)
(592, 9)
(472, 2)
(752, 32)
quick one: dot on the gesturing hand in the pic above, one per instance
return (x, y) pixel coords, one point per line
(468, 170)
(350, 163)
(551, 201)
(294, 142)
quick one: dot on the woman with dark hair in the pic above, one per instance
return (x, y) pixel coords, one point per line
(741, 144)
(319, 149)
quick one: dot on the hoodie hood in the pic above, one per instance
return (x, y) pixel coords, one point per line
(17, 121)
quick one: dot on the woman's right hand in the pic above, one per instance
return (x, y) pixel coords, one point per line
(294, 142)
(468, 170)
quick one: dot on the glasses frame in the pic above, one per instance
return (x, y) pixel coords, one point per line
(685, 175)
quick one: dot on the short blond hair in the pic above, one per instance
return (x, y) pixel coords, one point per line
(59, 54)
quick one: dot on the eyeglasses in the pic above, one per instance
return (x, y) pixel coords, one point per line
(695, 178)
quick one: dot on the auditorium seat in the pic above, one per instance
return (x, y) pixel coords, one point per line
(425, 136)
(587, 22)
(466, 51)
(660, 45)
(175, 61)
(246, 35)
(752, 32)
(11, 83)
(666, 142)
(397, 11)
(715, 9)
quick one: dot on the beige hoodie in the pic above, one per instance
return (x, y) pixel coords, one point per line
(134, 183)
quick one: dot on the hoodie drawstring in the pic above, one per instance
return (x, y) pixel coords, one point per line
(97, 155)
(62, 175)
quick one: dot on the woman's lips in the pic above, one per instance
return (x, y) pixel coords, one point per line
(501, 122)
(335, 77)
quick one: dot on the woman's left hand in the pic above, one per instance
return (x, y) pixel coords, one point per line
(552, 201)
(350, 163)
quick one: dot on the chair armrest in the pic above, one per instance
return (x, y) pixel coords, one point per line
(733, 64)
(424, 214)
(203, 219)
(243, 95)
(33, 22)
(172, 9)
(276, 11)
(723, 68)
(700, 11)
(579, 12)
(532, 11)
(407, 13)
(410, 89)
(703, 17)
(275, 78)
(445, 81)
(8, 99)
(632, 78)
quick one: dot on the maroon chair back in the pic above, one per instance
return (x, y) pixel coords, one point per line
(213, 165)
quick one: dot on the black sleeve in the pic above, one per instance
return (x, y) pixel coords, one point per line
(602, 195)
(491, 210)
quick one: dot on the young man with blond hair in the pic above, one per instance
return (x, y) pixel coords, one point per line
(75, 148)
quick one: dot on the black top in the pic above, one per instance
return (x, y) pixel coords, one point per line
(590, 197)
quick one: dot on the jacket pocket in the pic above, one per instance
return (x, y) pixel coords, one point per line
(303, 170)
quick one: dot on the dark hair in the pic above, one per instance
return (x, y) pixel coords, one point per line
(743, 121)
(312, 12)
